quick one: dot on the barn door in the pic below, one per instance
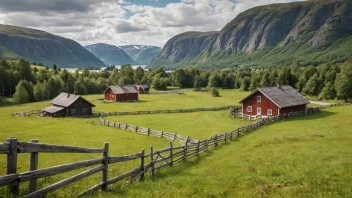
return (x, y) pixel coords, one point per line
(259, 111)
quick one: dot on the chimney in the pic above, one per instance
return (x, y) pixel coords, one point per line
(68, 95)
(75, 92)
(278, 86)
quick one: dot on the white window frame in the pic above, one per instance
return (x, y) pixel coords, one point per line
(258, 108)
(259, 98)
(271, 112)
(249, 109)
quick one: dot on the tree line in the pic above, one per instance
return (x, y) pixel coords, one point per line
(27, 84)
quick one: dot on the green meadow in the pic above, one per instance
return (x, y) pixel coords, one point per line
(307, 156)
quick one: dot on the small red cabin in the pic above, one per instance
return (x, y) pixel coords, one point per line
(121, 93)
(274, 101)
(142, 89)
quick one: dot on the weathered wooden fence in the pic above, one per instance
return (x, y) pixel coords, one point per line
(29, 113)
(146, 131)
(100, 113)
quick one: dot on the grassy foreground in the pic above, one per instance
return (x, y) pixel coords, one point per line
(302, 157)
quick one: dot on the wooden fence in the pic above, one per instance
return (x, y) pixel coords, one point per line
(146, 131)
(157, 159)
(29, 113)
(100, 113)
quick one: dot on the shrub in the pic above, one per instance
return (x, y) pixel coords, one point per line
(215, 92)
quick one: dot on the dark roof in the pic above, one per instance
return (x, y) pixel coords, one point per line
(66, 99)
(123, 89)
(53, 109)
(283, 96)
(144, 86)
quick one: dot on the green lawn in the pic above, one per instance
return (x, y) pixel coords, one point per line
(302, 157)
(171, 101)
(89, 133)
(74, 132)
(197, 125)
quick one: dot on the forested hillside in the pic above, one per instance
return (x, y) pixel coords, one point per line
(308, 33)
(39, 46)
(24, 83)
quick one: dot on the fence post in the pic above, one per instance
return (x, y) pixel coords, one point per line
(216, 140)
(136, 129)
(142, 165)
(198, 148)
(171, 153)
(148, 131)
(126, 126)
(151, 161)
(225, 137)
(104, 174)
(12, 164)
(115, 124)
(174, 137)
(206, 144)
(33, 165)
(162, 133)
(185, 149)
(119, 125)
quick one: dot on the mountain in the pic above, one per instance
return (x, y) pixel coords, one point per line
(309, 33)
(43, 47)
(142, 54)
(110, 54)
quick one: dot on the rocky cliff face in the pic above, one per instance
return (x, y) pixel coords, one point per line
(142, 54)
(110, 54)
(40, 46)
(294, 27)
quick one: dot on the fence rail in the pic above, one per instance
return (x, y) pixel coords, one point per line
(29, 113)
(100, 113)
(158, 159)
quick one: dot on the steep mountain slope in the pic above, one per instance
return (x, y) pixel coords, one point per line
(310, 32)
(110, 54)
(43, 47)
(141, 54)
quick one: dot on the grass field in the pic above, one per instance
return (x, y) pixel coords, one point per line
(302, 157)
(89, 133)
(308, 156)
(197, 125)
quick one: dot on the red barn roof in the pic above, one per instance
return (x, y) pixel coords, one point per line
(282, 96)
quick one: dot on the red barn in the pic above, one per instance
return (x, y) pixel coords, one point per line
(121, 93)
(142, 89)
(274, 101)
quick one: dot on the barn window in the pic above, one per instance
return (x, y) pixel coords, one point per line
(270, 112)
(73, 111)
(259, 98)
(259, 111)
(85, 110)
(249, 109)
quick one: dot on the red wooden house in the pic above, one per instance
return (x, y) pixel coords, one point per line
(142, 89)
(121, 93)
(274, 101)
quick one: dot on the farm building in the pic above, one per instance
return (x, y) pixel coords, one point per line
(142, 89)
(66, 104)
(274, 101)
(121, 93)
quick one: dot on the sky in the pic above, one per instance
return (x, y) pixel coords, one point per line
(124, 22)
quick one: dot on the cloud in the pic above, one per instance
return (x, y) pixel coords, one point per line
(126, 27)
(121, 22)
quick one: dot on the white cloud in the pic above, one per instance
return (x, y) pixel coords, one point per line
(120, 22)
